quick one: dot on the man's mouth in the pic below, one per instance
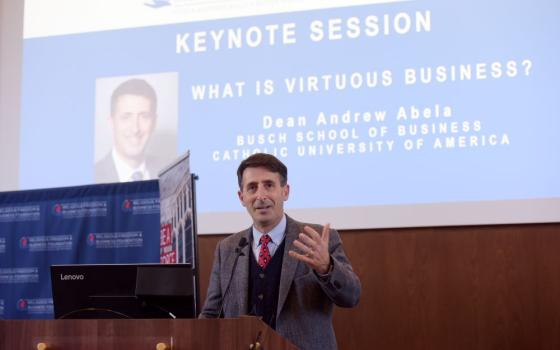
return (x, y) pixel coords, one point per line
(135, 140)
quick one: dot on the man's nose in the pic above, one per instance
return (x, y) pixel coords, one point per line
(135, 125)
(261, 193)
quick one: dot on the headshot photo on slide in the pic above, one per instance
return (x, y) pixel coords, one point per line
(135, 126)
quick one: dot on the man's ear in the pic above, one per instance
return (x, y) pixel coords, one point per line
(286, 190)
(240, 195)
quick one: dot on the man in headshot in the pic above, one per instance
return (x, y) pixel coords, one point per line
(133, 120)
(288, 273)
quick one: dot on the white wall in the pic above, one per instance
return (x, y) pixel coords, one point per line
(11, 33)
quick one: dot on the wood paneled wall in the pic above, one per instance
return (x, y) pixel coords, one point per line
(477, 287)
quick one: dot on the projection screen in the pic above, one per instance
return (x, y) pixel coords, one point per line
(387, 113)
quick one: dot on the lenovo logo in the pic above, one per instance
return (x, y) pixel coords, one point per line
(71, 277)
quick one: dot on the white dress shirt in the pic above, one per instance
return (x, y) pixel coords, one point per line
(127, 173)
(276, 234)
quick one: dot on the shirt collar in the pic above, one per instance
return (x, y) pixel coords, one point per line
(124, 171)
(276, 234)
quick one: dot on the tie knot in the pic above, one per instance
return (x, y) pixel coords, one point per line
(265, 239)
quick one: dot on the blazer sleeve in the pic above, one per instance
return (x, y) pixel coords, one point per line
(211, 307)
(342, 285)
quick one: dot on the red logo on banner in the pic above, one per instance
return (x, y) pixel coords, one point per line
(167, 254)
(169, 258)
(127, 205)
(57, 209)
(91, 239)
(23, 242)
(22, 304)
(165, 235)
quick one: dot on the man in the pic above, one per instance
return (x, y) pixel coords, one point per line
(288, 273)
(133, 121)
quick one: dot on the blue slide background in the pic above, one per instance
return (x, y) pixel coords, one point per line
(57, 137)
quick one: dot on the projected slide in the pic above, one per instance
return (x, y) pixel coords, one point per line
(387, 113)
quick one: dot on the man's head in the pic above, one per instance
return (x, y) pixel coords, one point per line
(133, 119)
(263, 189)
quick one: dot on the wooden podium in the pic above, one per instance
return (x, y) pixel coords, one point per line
(161, 334)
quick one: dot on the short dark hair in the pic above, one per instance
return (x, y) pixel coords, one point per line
(137, 87)
(264, 160)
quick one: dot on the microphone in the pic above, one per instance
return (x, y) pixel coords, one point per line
(238, 251)
(242, 243)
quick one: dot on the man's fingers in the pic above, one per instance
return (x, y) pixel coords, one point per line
(300, 257)
(313, 247)
(302, 247)
(326, 233)
(305, 239)
(312, 233)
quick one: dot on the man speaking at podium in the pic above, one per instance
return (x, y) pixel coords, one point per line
(288, 273)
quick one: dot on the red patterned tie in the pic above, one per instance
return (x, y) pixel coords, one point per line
(264, 253)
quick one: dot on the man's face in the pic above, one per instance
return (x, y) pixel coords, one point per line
(264, 197)
(133, 122)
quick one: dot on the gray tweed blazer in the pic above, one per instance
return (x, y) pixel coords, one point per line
(305, 302)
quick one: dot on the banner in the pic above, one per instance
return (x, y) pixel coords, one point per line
(112, 223)
(177, 206)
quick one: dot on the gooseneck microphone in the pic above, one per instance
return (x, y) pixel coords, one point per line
(238, 251)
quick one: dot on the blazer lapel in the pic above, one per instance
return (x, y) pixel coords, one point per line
(289, 264)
